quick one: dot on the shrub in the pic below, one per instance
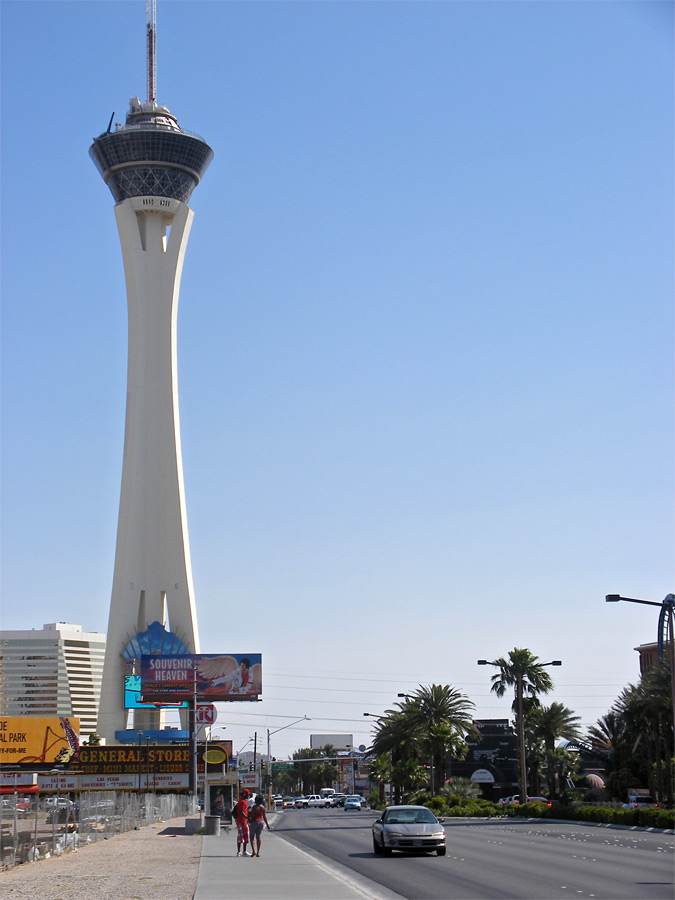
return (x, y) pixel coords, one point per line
(645, 818)
(437, 805)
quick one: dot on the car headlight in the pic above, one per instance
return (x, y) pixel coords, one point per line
(393, 833)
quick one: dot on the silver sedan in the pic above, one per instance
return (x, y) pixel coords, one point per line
(408, 828)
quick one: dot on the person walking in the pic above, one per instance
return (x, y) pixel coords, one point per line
(257, 820)
(240, 813)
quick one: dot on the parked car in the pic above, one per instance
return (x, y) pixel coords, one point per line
(22, 807)
(638, 801)
(352, 802)
(408, 828)
(60, 814)
(50, 802)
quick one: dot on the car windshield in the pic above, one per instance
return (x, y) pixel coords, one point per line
(409, 817)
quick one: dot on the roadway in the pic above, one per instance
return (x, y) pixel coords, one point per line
(497, 859)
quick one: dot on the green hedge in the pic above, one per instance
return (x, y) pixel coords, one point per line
(647, 817)
(455, 808)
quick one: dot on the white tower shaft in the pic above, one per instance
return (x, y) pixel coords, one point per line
(153, 577)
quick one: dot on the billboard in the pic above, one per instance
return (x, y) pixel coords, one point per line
(131, 760)
(38, 740)
(132, 695)
(337, 741)
(154, 759)
(209, 676)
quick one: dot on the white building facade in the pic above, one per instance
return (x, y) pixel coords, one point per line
(55, 671)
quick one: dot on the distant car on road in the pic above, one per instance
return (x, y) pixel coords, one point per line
(288, 803)
(408, 828)
(338, 800)
(301, 803)
(639, 801)
(352, 802)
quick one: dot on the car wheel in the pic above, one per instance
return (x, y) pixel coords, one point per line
(440, 851)
(376, 847)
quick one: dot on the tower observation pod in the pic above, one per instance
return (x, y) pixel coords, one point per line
(151, 167)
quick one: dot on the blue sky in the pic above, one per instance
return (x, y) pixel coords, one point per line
(425, 337)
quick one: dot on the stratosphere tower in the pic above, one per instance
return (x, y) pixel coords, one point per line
(152, 167)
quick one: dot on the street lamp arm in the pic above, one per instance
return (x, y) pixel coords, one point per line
(614, 598)
(277, 730)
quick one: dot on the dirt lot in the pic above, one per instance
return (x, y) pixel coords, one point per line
(157, 862)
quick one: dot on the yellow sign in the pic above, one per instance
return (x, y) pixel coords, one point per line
(26, 740)
(215, 756)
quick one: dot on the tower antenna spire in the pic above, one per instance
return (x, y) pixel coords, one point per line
(151, 41)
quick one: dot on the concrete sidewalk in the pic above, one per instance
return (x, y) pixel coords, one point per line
(282, 872)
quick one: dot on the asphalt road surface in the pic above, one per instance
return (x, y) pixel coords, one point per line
(498, 859)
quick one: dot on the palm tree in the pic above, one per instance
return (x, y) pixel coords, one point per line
(441, 715)
(379, 771)
(550, 723)
(424, 727)
(610, 736)
(407, 775)
(644, 710)
(523, 672)
(395, 738)
(394, 735)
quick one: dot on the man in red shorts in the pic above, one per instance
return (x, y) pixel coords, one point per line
(240, 813)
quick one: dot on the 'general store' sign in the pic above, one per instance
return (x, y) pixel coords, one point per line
(129, 760)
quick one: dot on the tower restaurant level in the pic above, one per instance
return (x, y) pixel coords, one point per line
(150, 156)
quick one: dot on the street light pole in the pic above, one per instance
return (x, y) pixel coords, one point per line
(147, 762)
(383, 790)
(520, 722)
(269, 757)
(665, 633)
(140, 737)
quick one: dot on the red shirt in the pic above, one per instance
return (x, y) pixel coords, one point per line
(258, 813)
(241, 810)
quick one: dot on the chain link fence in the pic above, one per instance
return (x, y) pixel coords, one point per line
(38, 828)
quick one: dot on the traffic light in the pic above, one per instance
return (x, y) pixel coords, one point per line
(250, 767)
